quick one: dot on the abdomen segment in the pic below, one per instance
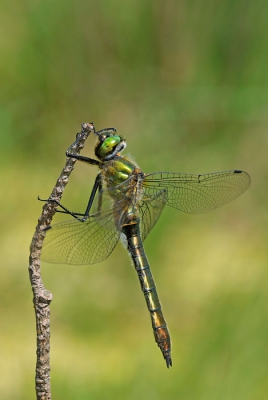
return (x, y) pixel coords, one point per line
(159, 325)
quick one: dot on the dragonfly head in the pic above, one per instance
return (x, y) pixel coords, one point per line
(109, 144)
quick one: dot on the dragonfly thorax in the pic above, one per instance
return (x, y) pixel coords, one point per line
(117, 170)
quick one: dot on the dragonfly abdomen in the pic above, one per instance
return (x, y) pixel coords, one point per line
(137, 253)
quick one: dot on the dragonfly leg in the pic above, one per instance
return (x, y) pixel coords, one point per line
(63, 210)
(97, 186)
(108, 130)
(83, 158)
(80, 216)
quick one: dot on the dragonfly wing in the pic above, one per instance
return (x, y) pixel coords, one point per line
(150, 210)
(81, 243)
(195, 193)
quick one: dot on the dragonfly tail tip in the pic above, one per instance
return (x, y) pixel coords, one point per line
(168, 360)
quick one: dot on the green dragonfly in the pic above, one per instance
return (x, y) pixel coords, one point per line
(126, 203)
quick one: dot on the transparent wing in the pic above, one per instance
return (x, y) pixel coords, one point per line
(150, 210)
(194, 193)
(77, 243)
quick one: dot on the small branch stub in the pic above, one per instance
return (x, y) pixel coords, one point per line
(41, 296)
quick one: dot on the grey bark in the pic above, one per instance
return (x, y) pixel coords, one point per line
(41, 296)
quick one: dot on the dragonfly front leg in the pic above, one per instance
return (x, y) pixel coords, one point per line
(87, 160)
(159, 325)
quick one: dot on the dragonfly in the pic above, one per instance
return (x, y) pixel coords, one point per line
(125, 203)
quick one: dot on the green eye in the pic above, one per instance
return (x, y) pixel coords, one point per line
(108, 145)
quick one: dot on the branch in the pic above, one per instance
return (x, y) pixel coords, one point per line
(41, 296)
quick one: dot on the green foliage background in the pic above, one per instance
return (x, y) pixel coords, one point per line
(186, 83)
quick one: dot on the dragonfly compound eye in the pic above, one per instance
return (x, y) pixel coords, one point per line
(107, 146)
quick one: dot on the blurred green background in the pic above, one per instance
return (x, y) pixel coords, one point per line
(186, 83)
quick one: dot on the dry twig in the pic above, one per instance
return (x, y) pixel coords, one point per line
(41, 296)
